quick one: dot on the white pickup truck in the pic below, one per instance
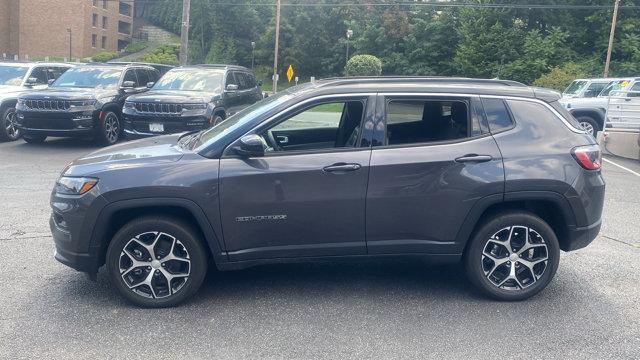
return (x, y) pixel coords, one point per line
(591, 111)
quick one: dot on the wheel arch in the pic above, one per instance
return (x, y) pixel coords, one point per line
(220, 111)
(117, 214)
(597, 114)
(552, 207)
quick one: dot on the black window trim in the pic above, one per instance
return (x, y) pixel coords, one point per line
(382, 118)
(301, 107)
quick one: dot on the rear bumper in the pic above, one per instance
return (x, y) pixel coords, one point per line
(582, 236)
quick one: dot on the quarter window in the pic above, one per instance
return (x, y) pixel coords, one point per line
(497, 115)
(424, 121)
(324, 126)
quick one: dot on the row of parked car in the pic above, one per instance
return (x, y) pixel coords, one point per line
(588, 99)
(110, 101)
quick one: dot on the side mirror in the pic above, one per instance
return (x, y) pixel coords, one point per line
(150, 84)
(251, 146)
(31, 81)
(51, 81)
(232, 87)
(128, 85)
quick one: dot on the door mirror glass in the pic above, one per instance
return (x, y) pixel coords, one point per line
(232, 87)
(251, 146)
(128, 85)
(32, 81)
(150, 84)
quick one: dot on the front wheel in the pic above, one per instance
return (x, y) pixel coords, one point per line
(513, 256)
(109, 130)
(156, 261)
(9, 130)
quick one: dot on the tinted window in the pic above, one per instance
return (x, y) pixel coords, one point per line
(40, 75)
(595, 88)
(130, 75)
(143, 77)
(497, 115)
(251, 80)
(153, 75)
(531, 111)
(422, 121)
(231, 80)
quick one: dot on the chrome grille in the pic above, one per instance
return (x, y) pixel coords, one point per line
(158, 108)
(48, 105)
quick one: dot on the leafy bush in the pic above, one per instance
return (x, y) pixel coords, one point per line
(135, 47)
(104, 56)
(364, 65)
(165, 54)
(560, 77)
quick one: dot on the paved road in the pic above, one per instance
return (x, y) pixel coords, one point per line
(391, 309)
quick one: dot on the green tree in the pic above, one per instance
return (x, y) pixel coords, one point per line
(364, 65)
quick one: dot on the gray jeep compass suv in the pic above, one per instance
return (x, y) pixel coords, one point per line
(491, 173)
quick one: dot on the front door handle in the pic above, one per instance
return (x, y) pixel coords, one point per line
(341, 168)
(474, 158)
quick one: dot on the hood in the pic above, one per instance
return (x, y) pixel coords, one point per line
(132, 154)
(172, 96)
(580, 103)
(68, 93)
(6, 89)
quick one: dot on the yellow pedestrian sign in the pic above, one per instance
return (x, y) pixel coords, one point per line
(290, 73)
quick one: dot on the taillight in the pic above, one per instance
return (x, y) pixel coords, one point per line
(589, 157)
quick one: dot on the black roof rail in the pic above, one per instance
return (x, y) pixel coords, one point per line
(413, 79)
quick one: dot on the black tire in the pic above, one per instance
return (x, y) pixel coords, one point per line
(216, 119)
(476, 263)
(34, 139)
(591, 124)
(186, 237)
(109, 129)
(8, 130)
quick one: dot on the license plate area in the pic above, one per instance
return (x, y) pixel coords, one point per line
(156, 127)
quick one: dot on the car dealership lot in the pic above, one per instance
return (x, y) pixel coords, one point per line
(390, 309)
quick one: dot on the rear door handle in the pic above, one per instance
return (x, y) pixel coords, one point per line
(474, 158)
(341, 168)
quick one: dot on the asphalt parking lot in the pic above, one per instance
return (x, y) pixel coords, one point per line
(390, 309)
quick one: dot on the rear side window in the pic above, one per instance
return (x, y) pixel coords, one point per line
(533, 111)
(424, 121)
(497, 115)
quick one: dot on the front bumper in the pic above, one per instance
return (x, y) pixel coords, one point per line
(139, 126)
(64, 124)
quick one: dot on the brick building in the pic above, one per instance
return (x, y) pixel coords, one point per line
(38, 28)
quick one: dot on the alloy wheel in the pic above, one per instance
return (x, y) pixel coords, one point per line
(155, 265)
(586, 126)
(10, 125)
(515, 258)
(111, 128)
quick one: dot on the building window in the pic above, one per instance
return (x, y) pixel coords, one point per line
(104, 4)
(104, 42)
(124, 27)
(94, 20)
(104, 22)
(95, 2)
(94, 40)
(124, 8)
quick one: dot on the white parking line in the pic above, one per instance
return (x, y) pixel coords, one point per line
(622, 167)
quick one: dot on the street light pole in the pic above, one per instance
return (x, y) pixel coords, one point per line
(184, 32)
(611, 37)
(275, 56)
(349, 35)
(69, 31)
(253, 54)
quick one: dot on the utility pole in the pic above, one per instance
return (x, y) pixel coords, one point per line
(349, 35)
(69, 31)
(611, 37)
(184, 33)
(275, 56)
(253, 54)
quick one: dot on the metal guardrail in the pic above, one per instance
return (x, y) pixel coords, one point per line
(623, 110)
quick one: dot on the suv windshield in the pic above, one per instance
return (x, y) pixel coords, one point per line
(12, 75)
(575, 87)
(614, 86)
(89, 77)
(191, 80)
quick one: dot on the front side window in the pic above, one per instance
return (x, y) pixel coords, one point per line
(143, 77)
(424, 121)
(89, 77)
(498, 116)
(39, 76)
(191, 80)
(325, 126)
(595, 88)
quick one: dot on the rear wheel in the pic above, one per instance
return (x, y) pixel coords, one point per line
(513, 256)
(109, 129)
(588, 124)
(9, 130)
(156, 261)
(34, 139)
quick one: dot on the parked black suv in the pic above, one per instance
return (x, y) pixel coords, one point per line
(84, 102)
(492, 173)
(190, 98)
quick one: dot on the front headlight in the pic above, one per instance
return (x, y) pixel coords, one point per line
(194, 109)
(128, 105)
(75, 185)
(83, 105)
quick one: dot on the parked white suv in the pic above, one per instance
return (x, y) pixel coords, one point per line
(16, 77)
(590, 111)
